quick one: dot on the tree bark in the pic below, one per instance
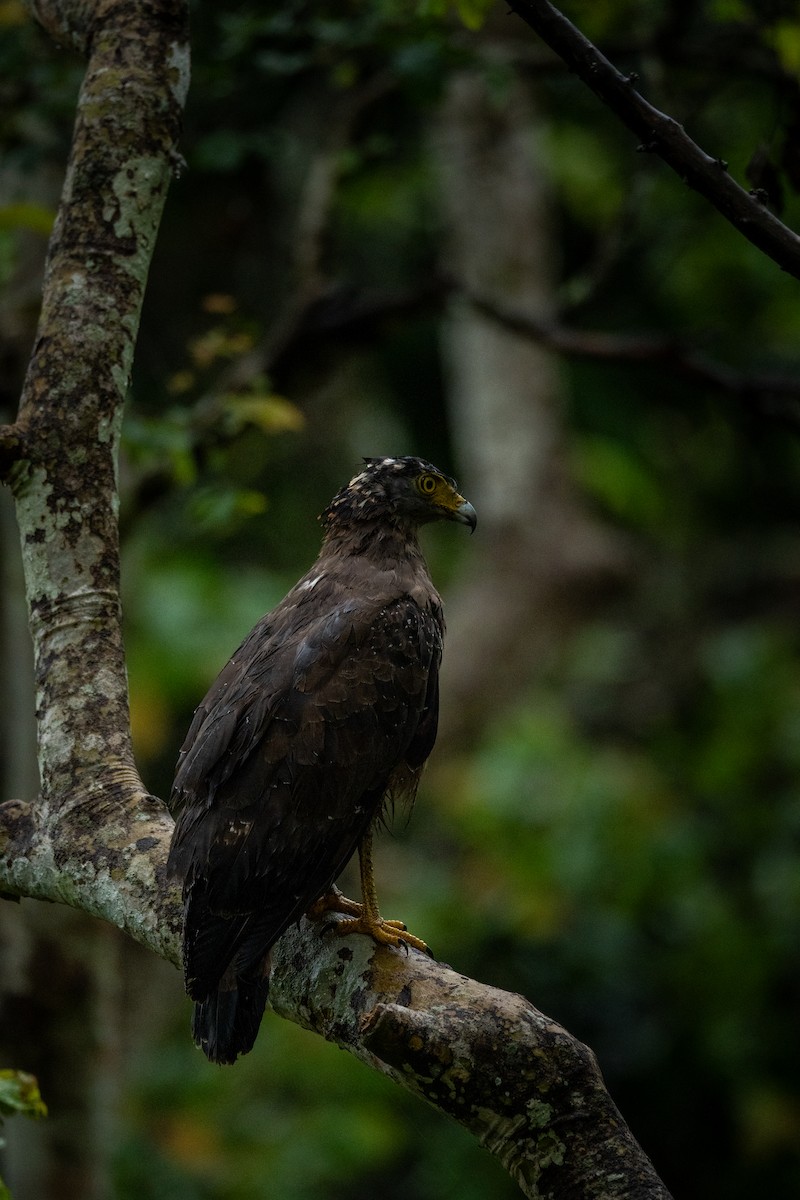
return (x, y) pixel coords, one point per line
(542, 559)
(94, 839)
(62, 998)
(529, 1091)
(60, 457)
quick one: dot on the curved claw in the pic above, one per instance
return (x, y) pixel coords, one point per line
(385, 933)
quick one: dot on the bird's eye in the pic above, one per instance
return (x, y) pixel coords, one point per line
(426, 484)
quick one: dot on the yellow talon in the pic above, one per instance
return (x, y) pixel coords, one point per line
(385, 933)
(365, 918)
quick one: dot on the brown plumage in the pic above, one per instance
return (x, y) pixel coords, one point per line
(327, 708)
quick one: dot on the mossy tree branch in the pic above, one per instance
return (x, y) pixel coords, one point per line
(94, 838)
(60, 456)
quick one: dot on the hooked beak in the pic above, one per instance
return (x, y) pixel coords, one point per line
(466, 515)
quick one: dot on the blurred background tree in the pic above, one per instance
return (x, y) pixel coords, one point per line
(611, 821)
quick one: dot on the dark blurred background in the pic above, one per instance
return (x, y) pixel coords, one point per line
(610, 821)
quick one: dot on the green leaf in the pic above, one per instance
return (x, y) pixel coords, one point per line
(473, 12)
(12, 12)
(786, 40)
(266, 411)
(622, 483)
(27, 215)
(19, 1093)
(218, 507)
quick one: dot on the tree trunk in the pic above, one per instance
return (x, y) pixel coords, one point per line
(541, 560)
(61, 1012)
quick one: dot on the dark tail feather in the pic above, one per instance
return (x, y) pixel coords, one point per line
(225, 1024)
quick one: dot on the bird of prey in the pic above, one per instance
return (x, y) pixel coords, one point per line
(325, 713)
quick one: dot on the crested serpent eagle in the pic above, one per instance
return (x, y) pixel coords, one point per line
(327, 710)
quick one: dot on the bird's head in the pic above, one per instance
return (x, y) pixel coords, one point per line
(405, 490)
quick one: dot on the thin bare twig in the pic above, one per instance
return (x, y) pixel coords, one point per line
(662, 135)
(777, 393)
(356, 315)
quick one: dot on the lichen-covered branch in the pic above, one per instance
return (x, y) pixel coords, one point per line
(518, 1082)
(524, 1087)
(59, 460)
(60, 456)
(662, 135)
(107, 860)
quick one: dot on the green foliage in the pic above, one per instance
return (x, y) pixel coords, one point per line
(15, 218)
(34, 217)
(624, 485)
(19, 1096)
(472, 12)
(321, 1122)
